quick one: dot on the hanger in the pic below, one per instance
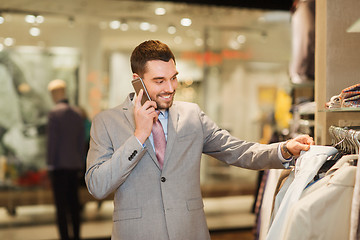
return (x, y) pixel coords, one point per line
(346, 140)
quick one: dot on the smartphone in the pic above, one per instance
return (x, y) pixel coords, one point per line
(138, 84)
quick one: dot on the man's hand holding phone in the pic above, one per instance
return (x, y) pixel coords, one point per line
(145, 116)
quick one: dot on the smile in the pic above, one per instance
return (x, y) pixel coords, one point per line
(166, 97)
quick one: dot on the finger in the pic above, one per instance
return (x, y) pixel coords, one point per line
(307, 140)
(150, 104)
(303, 147)
(150, 110)
(306, 147)
(302, 138)
(138, 98)
(155, 116)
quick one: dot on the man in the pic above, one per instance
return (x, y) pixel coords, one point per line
(163, 200)
(65, 159)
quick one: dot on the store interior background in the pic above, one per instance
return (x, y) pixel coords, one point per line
(232, 60)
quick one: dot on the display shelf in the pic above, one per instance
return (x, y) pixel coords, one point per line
(12, 198)
(337, 55)
(307, 84)
(347, 109)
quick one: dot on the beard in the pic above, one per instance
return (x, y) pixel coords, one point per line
(163, 105)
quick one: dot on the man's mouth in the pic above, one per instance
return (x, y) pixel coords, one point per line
(166, 97)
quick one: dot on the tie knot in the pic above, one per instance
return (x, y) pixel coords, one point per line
(158, 112)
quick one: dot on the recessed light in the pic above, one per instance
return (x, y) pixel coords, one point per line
(171, 29)
(186, 22)
(115, 24)
(145, 26)
(34, 31)
(160, 11)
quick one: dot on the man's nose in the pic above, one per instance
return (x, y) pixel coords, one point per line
(169, 87)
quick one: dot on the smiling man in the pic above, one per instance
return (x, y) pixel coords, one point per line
(149, 155)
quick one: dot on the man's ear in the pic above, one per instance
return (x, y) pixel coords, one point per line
(135, 75)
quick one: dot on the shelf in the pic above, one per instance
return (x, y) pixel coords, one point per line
(348, 109)
(308, 84)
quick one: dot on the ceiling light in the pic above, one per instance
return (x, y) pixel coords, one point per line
(34, 31)
(186, 22)
(115, 24)
(30, 19)
(145, 26)
(124, 27)
(199, 42)
(9, 41)
(2, 19)
(178, 40)
(153, 28)
(241, 39)
(234, 44)
(171, 29)
(39, 19)
(34, 18)
(160, 11)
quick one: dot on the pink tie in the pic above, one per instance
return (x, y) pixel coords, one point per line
(159, 141)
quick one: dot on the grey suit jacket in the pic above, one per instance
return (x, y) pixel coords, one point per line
(151, 203)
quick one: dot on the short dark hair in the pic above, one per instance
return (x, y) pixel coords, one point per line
(147, 51)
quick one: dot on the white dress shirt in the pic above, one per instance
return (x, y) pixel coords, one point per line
(307, 165)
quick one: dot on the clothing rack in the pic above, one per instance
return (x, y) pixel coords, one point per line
(345, 139)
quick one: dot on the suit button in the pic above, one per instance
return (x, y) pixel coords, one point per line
(163, 179)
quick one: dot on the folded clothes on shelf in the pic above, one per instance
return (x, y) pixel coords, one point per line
(334, 102)
(349, 97)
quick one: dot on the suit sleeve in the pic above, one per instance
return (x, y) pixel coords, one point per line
(108, 168)
(219, 144)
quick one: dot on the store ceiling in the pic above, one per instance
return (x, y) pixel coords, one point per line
(255, 19)
(258, 4)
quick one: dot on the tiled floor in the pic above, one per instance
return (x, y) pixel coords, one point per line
(228, 218)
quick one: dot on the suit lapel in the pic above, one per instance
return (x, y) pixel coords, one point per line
(172, 128)
(128, 109)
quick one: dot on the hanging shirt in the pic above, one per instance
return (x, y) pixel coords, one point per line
(355, 207)
(307, 165)
(324, 214)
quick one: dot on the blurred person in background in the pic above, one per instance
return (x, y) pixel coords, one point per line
(65, 159)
